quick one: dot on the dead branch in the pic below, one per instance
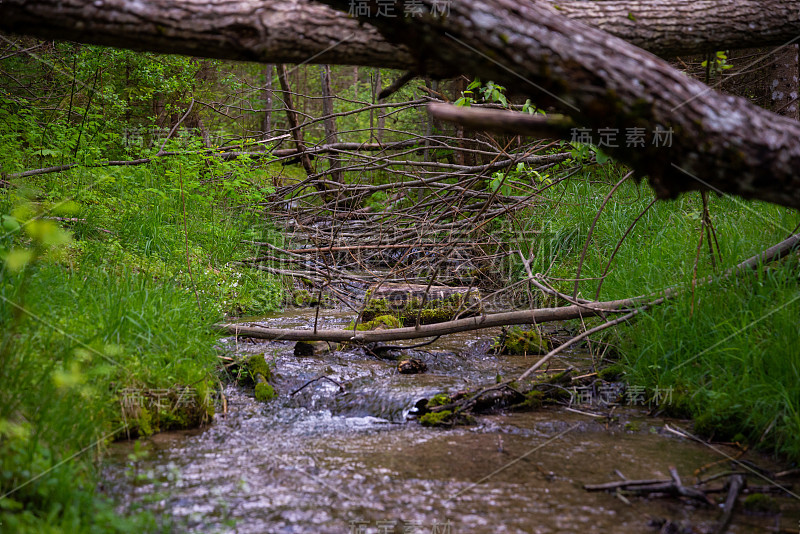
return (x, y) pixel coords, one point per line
(735, 486)
(542, 315)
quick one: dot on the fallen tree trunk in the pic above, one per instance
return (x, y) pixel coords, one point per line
(675, 27)
(716, 142)
(292, 31)
(542, 315)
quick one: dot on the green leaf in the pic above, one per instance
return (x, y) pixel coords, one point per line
(17, 259)
(10, 223)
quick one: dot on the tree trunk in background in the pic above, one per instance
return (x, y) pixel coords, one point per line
(381, 113)
(330, 122)
(266, 120)
(291, 117)
(355, 83)
(205, 74)
(784, 83)
(372, 111)
(426, 156)
(302, 89)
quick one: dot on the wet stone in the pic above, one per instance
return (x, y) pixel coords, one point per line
(412, 366)
(314, 348)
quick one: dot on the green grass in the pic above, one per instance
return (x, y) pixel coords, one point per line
(731, 358)
(730, 350)
(100, 314)
(120, 296)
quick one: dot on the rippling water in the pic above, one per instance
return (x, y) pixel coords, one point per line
(325, 461)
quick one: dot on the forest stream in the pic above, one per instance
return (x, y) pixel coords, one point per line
(328, 460)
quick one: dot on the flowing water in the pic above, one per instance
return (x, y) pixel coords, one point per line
(341, 456)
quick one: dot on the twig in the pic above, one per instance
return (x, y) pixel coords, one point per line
(301, 388)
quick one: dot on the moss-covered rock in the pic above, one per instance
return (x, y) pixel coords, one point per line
(258, 373)
(633, 426)
(264, 392)
(517, 341)
(257, 364)
(533, 400)
(611, 373)
(720, 426)
(148, 411)
(301, 297)
(440, 399)
(409, 302)
(443, 418)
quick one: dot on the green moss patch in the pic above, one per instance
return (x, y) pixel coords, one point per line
(440, 399)
(611, 373)
(533, 400)
(760, 504)
(147, 411)
(377, 323)
(443, 418)
(264, 392)
(409, 307)
(257, 365)
(517, 341)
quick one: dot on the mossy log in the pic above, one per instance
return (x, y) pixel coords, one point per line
(428, 304)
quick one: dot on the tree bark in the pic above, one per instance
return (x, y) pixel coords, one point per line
(674, 27)
(266, 123)
(291, 117)
(783, 83)
(538, 316)
(381, 118)
(292, 31)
